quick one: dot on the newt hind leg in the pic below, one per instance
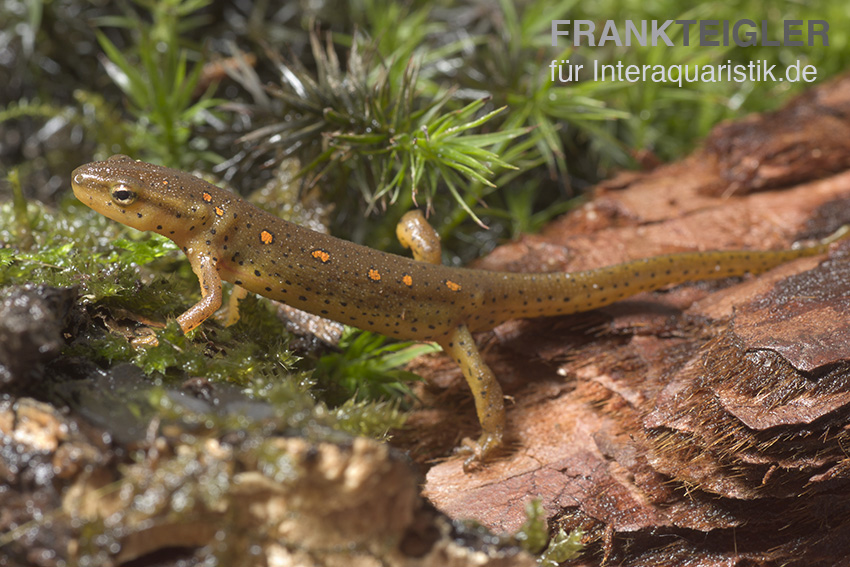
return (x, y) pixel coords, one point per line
(414, 232)
(489, 400)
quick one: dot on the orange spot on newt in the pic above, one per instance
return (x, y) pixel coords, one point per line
(207, 197)
(219, 212)
(374, 275)
(321, 255)
(452, 285)
(407, 280)
(266, 237)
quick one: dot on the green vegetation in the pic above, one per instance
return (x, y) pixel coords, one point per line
(159, 83)
(533, 536)
(380, 105)
(670, 120)
(372, 106)
(386, 104)
(367, 367)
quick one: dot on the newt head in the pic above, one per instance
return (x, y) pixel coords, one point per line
(138, 194)
(109, 188)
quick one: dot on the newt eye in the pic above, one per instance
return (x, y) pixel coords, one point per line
(123, 195)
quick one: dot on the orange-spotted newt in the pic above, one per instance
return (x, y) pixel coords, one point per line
(226, 238)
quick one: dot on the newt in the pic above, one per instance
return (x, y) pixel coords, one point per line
(227, 238)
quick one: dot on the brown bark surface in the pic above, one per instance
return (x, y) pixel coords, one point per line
(706, 424)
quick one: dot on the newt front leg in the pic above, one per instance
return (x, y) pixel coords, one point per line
(210, 281)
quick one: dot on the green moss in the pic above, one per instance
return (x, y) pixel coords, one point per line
(75, 247)
(66, 247)
(373, 418)
(533, 536)
(563, 547)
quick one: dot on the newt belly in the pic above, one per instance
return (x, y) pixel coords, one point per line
(227, 238)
